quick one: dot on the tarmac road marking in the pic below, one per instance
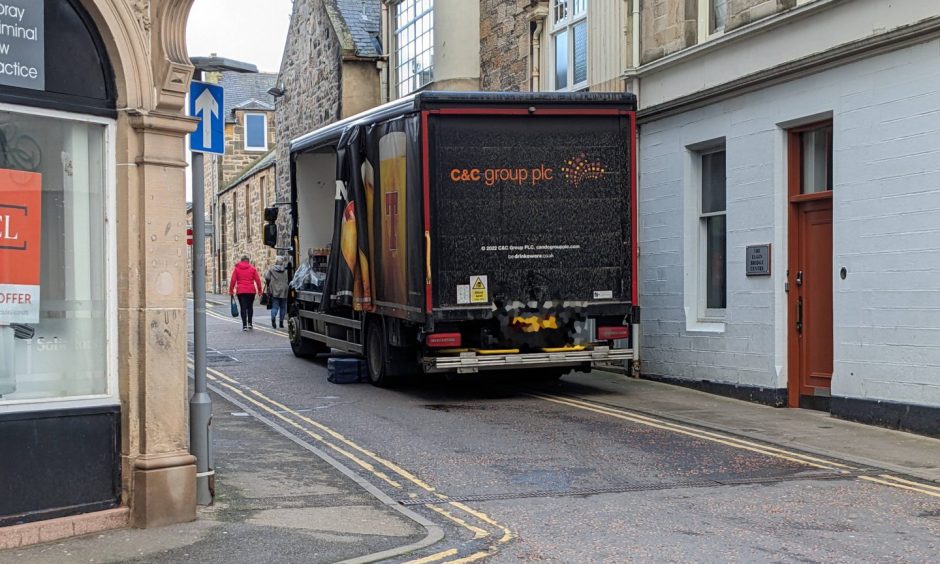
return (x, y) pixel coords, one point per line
(235, 386)
(478, 532)
(708, 433)
(918, 484)
(236, 321)
(434, 557)
(895, 484)
(689, 431)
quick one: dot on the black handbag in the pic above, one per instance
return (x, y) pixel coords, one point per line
(265, 300)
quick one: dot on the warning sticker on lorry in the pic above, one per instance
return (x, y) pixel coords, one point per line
(463, 294)
(479, 293)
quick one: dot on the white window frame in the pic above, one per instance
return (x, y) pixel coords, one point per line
(399, 28)
(265, 132)
(566, 23)
(110, 397)
(706, 313)
(705, 31)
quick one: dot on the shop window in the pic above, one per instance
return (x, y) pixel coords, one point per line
(56, 297)
(713, 232)
(414, 40)
(256, 132)
(569, 44)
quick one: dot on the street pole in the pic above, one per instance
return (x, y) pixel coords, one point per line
(200, 405)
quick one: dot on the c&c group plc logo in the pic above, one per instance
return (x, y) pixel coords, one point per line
(575, 170)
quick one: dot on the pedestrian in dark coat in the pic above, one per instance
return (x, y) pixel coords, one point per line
(277, 284)
(246, 283)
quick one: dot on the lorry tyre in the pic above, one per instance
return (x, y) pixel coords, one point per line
(377, 354)
(302, 348)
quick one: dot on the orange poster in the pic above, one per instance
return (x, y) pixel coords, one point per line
(20, 235)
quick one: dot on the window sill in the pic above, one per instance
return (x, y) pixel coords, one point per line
(705, 326)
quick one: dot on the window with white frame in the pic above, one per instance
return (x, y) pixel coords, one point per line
(569, 44)
(715, 17)
(414, 41)
(713, 231)
(256, 132)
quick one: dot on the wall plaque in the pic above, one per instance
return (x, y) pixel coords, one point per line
(757, 262)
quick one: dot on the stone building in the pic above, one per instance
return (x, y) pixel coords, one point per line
(241, 206)
(329, 71)
(764, 124)
(250, 136)
(93, 393)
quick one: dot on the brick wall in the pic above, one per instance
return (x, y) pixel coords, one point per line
(311, 76)
(504, 44)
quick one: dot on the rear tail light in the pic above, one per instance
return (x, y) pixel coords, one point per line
(443, 340)
(612, 333)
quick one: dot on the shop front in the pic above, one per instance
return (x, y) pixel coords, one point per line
(92, 334)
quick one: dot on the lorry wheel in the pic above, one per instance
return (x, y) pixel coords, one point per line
(302, 348)
(377, 355)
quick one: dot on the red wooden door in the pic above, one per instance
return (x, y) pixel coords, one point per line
(810, 273)
(812, 285)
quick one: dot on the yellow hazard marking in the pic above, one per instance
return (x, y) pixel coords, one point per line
(572, 348)
(496, 351)
(534, 323)
(910, 483)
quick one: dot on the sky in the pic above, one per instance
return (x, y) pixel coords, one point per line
(252, 31)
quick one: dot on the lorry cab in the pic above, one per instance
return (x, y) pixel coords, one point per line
(467, 232)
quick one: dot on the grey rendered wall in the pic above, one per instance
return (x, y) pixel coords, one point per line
(886, 112)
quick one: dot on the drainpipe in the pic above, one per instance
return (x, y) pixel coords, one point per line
(536, 55)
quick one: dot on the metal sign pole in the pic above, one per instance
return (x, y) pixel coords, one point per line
(200, 405)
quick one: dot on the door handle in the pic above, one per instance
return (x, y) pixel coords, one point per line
(799, 315)
(799, 278)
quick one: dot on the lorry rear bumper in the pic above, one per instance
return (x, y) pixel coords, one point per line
(472, 362)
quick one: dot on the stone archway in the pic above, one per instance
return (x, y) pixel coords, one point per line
(145, 40)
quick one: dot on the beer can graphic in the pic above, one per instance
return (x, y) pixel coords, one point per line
(392, 174)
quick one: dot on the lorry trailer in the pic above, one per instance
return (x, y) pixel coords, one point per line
(469, 231)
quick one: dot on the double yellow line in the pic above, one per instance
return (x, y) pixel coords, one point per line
(743, 444)
(472, 520)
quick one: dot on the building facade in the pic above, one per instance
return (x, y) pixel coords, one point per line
(250, 137)
(330, 70)
(93, 274)
(787, 171)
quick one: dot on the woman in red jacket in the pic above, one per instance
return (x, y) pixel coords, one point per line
(247, 283)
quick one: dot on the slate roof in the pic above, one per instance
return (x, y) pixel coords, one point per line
(266, 161)
(363, 18)
(247, 91)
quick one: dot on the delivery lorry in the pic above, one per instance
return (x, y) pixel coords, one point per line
(467, 232)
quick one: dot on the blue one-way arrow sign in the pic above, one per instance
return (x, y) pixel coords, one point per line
(205, 103)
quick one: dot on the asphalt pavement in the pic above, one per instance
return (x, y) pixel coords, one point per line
(593, 468)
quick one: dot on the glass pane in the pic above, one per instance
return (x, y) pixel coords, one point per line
(580, 52)
(254, 125)
(719, 15)
(580, 6)
(715, 272)
(713, 182)
(561, 60)
(561, 11)
(52, 186)
(816, 160)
